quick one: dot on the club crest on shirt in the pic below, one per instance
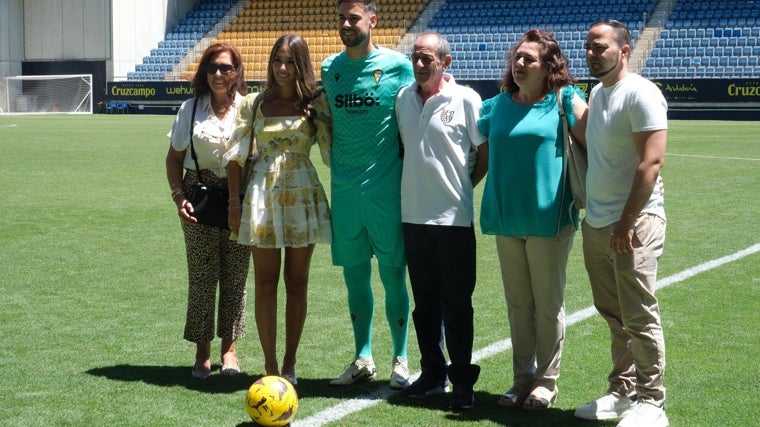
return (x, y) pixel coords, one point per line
(447, 116)
(378, 75)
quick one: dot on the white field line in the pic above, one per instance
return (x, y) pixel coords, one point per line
(357, 404)
(714, 157)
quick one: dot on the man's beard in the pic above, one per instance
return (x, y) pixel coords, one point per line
(355, 41)
(603, 73)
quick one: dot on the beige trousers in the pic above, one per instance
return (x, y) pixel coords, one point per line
(533, 271)
(623, 290)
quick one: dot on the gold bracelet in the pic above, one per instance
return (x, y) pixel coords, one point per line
(177, 192)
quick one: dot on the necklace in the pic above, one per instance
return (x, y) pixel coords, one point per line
(219, 108)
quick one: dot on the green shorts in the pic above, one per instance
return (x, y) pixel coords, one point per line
(362, 228)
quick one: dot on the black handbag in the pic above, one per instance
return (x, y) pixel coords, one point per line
(209, 203)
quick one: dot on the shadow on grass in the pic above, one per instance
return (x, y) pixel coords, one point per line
(173, 376)
(486, 409)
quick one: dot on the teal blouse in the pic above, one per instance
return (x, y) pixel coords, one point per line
(524, 193)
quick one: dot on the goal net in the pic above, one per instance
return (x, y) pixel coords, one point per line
(54, 94)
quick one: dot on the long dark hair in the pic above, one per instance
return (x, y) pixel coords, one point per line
(200, 81)
(552, 60)
(306, 81)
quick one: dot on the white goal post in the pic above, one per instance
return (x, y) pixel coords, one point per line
(53, 94)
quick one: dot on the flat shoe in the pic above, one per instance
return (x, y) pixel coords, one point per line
(540, 399)
(291, 378)
(229, 370)
(513, 398)
(200, 374)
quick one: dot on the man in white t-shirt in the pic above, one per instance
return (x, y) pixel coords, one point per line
(438, 126)
(624, 227)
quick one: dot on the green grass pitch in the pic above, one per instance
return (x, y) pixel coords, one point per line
(93, 288)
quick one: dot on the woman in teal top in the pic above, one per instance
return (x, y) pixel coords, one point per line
(526, 204)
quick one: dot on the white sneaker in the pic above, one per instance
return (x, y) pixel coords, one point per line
(399, 374)
(607, 407)
(645, 414)
(360, 369)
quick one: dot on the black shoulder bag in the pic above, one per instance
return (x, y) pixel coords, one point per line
(209, 203)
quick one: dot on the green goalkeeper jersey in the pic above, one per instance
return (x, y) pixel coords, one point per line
(365, 157)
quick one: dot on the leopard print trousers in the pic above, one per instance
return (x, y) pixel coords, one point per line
(212, 258)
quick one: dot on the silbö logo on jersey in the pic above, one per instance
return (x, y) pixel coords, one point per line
(355, 103)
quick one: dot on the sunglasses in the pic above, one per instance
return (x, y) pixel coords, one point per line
(222, 68)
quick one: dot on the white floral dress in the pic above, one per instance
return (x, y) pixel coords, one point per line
(285, 204)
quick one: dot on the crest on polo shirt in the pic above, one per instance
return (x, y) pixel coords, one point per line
(447, 116)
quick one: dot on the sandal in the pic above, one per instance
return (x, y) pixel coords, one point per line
(541, 398)
(232, 369)
(200, 373)
(291, 378)
(513, 398)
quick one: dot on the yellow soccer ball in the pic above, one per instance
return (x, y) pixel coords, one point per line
(272, 401)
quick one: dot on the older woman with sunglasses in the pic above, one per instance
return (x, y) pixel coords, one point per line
(212, 258)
